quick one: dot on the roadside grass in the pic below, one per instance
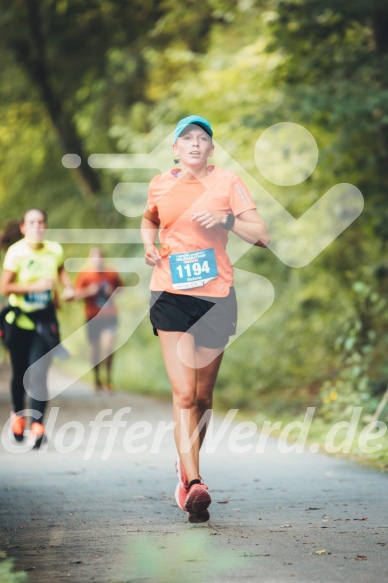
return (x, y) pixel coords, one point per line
(357, 440)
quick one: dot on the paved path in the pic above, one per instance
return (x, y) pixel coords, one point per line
(73, 516)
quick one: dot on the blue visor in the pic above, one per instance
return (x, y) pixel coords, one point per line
(193, 120)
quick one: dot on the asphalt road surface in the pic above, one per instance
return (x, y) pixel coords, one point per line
(96, 503)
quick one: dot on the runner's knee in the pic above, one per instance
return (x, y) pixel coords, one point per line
(185, 399)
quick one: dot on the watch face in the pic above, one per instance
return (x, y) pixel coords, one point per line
(229, 222)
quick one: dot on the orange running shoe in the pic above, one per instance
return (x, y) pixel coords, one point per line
(18, 424)
(197, 500)
(37, 434)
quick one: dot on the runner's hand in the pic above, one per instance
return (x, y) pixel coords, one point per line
(152, 255)
(68, 294)
(208, 219)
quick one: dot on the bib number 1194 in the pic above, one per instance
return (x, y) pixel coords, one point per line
(190, 269)
(193, 269)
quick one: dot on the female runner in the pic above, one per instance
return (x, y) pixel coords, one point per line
(32, 266)
(193, 306)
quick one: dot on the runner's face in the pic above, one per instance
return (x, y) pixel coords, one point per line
(96, 259)
(33, 226)
(193, 147)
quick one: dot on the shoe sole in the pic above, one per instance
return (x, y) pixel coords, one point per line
(197, 501)
(199, 517)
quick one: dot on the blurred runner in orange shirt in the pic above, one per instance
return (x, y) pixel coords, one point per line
(95, 284)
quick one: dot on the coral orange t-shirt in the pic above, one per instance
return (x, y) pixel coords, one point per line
(175, 200)
(107, 282)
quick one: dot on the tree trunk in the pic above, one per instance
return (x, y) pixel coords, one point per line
(380, 28)
(35, 64)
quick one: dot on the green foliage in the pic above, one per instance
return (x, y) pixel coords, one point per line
(159, 563)
(79, 66)
(124, 72)
(7, 573)
(342, 83)
(356, 381)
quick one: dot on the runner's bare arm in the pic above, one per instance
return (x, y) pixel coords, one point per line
(9, 286)
(248, 225)
(63, 276)
(149, 232)
(86, 292)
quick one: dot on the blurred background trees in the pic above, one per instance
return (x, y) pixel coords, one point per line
(90, 76)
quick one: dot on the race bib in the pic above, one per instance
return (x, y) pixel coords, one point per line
(38, 300)
(193, 269)
(102, 295)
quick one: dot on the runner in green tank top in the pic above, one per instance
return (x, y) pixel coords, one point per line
(32, 267)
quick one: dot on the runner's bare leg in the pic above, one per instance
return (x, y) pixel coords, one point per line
(107, 346)
(95, 358)
(187, 411)
(206, 380)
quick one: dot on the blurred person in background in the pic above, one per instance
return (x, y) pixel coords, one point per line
(10, 234)
(32, 268)
(95, 285)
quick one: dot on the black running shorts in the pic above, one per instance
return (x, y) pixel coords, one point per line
(210, 320)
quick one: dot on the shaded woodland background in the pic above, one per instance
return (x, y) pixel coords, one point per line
(91, 76)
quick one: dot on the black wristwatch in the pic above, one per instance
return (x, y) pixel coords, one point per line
(229, 222)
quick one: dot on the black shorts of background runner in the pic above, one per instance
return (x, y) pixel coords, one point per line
(97, 325)
(210, 320)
